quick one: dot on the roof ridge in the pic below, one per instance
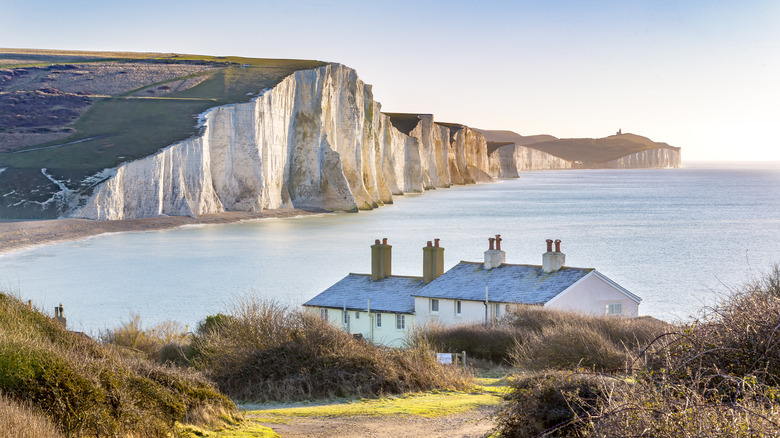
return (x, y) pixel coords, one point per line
(389, 276)
(528, 265)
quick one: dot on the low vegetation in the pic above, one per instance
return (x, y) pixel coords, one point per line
(22, 421)
(718, 377)
(265, 351)
(82, 388)
(535, 338)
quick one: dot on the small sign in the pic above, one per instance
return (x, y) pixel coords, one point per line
(444, 358)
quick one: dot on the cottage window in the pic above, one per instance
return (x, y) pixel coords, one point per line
(324, 314)
(496, 310)
(434, 305)
(379, 320)
(615, 309)
(400, 322)
(457, 308)
(357, 315)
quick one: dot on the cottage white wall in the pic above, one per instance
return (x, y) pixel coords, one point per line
(591, 295)
(470, 312)
(365, 325)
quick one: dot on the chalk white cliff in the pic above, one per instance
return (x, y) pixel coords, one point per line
(317, 139)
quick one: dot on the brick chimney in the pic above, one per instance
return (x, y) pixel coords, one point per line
(433, 261)
(381, 259)
(553, 260)
(494, 257)
(59, 316)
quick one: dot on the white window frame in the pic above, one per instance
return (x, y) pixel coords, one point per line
(379, 320)
(434, 305)
(357, 315)
(400, 321)
(614, 309)
(496, 310)
(458, 307)
(324, 313)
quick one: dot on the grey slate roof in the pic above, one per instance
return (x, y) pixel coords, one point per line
(393, 294)
(506, 284)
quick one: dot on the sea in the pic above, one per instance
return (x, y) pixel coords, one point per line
(681, 239)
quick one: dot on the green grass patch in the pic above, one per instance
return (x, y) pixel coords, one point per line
(425, 404)
(247, 431)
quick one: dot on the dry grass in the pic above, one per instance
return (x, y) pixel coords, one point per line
(557, 340)
(265, 351)
(158, 343)
(535, 338)
(21, 421)
(719, 377)
(493, 343)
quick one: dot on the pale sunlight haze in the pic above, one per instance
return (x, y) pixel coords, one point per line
(701, 75)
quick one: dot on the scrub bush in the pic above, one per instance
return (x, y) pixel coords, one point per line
(265, 351)
(718, 377)
(87, 389)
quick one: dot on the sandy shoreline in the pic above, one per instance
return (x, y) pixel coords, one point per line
(23, 234)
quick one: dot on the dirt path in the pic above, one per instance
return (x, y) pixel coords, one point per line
(473, 423)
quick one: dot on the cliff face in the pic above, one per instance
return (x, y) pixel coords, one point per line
(317, 139)
(652, 158)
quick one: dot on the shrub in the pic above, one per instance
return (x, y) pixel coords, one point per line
(569, 346)
(542, 402)
(89, 389)
(719, 377)
(265, 351)
(150, 342)
(492, 343)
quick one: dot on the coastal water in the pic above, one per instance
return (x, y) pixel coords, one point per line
(677, 238)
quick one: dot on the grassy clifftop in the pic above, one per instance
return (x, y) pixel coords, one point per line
(75, 113)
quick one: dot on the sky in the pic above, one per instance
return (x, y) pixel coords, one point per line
(700, 74)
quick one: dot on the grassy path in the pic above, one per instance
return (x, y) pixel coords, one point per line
(427, 414)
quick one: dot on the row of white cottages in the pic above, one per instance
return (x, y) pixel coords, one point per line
(382, 307)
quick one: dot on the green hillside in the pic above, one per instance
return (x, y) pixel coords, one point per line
(97, 110)
(88, 389)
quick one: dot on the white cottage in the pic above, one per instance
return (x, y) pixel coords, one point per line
(381, 306)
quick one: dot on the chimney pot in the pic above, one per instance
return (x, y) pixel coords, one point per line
(384, 241)
(549, 245)
(376, 242)
(498, 242)
(492, 241)
(558, 245)
(430, 243)
(436, 243)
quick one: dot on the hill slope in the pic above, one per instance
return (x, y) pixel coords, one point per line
(76, 113)
(582, 150)
(87, 389)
